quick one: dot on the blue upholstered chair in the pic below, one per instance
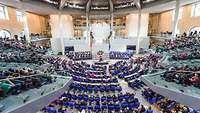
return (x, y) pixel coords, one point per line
(97, 107)
(89, 107)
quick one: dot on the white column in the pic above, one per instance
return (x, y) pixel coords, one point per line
(89, 41)
(111, 25)
(61, 30)
(61, 26)
(26, 28)
(175, 22)
(131, 25)
(138, 32)
(25, 23)
(87, 26)
(111, 21)
(61, 37)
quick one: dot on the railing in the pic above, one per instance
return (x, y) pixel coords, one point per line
(185, 95)
(37, 104)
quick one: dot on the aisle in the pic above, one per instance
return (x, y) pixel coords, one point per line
(138, 94)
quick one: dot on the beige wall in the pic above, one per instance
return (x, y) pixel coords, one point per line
(153, 24)
(165, 21)
(36, 23)
(184, 25)
(187, 22)
(12, 24)
(160, 22)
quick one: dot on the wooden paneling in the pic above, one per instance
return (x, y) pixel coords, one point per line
(36, 23)
(165, 21)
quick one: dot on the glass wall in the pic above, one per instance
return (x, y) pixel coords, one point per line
(119, 26)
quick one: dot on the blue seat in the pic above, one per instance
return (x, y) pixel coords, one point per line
(138, 75)
(86, 80)
(51, 110)
(90, 89)
(66, 104)
(149, 111)
(103, 98)
(171, 106)
(96, 88)
(118, 88)
(104, 107)
(121, 76)
(115, 99)
(77, 106)
(131, 105)
(85, 97)
(83, 107)
(137, 105)
(81, 88)
(153, 100)
(109, 99)
(80, 97)
(71, 104)
(97, 107)
(90, 107)
(144, 112)
(112, 88)
(160, 98)
(97, 99)
(66, 95)
(126, 97)
(120, 97)
(191, 111)
(102, 89)
(111, 107)
(74, 97)
(117, 107)
(84, 89)
(67, 112)
(91, 98)
(107, 88)
(124, 104)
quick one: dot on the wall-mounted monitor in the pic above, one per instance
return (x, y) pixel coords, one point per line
(69, 48)
(131, 47)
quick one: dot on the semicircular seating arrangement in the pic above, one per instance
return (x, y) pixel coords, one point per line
(97, 92)
(96, 88)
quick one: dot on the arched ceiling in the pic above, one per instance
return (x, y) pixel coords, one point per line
(97, 4)
(94, 7)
